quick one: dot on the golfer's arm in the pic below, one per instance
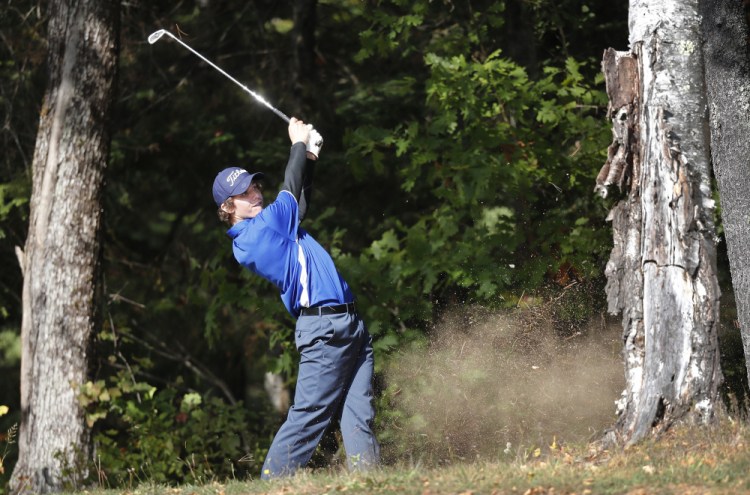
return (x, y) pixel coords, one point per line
(298, 176)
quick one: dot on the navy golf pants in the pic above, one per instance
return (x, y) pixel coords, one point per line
(334, 381)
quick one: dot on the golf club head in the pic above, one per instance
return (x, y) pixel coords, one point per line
(154, 37)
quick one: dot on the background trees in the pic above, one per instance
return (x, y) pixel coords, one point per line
(462, 141)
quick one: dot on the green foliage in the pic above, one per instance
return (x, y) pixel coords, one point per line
(167, 436)
(484, 183)
(499, 169)
(6, 440)
(10, 348)
(12, 196)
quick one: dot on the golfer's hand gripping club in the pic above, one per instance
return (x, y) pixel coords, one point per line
(314, 143)
(305, 133)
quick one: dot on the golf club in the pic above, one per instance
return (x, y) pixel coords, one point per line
(157, 35)
(316, 140)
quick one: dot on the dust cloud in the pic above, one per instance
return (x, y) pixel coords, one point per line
(490, 385)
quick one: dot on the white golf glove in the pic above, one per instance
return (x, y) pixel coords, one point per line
(314, 144)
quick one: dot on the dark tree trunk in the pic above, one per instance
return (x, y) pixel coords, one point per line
(662, 270)
(60, 261)
(518, 41)
(727, 58)
(304, 71)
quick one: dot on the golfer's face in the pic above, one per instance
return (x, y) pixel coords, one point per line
(249, 203)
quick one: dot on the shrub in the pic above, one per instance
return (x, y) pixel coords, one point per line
(168, 436)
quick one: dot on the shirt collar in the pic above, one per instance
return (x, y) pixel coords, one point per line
(238, 228)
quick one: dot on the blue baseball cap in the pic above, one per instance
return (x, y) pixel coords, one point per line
(232, 181)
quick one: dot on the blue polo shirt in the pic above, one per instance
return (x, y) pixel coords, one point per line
(274, 246)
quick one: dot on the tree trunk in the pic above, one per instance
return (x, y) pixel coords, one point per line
(727, 58)
(304, 73)
(519, 41)
(662, 270)
(61, 257)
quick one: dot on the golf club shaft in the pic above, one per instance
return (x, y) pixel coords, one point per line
(158, 34)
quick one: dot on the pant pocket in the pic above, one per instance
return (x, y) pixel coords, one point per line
(312, 329)
(344, 328)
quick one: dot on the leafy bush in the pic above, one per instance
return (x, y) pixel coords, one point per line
(507, 163)
(168, 436)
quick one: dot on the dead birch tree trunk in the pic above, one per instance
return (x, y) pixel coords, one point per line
(727, 55)
(662, 270)
(60, 262)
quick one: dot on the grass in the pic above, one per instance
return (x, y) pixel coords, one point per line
(686, 460)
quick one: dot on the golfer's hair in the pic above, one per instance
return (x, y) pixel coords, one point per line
(223, 215)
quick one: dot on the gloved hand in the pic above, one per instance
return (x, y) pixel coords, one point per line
(314, 143)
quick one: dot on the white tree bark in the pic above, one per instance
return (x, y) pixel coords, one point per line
(662, 271)
(61, 258)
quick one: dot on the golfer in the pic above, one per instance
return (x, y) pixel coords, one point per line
(336, 358)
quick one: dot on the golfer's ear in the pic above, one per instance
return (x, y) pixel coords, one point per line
(228, 207)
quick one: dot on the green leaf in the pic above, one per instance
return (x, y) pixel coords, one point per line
(190, 401)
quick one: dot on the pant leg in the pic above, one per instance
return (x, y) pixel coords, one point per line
(328, 353)
(358, 411)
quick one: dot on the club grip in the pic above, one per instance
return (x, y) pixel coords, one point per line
(314, 144)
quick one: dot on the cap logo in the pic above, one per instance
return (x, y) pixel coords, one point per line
(231, 178)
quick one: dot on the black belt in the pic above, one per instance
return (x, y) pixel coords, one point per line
(329, 310)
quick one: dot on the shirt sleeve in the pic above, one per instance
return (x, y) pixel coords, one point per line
(298, 177)
(282, 215)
